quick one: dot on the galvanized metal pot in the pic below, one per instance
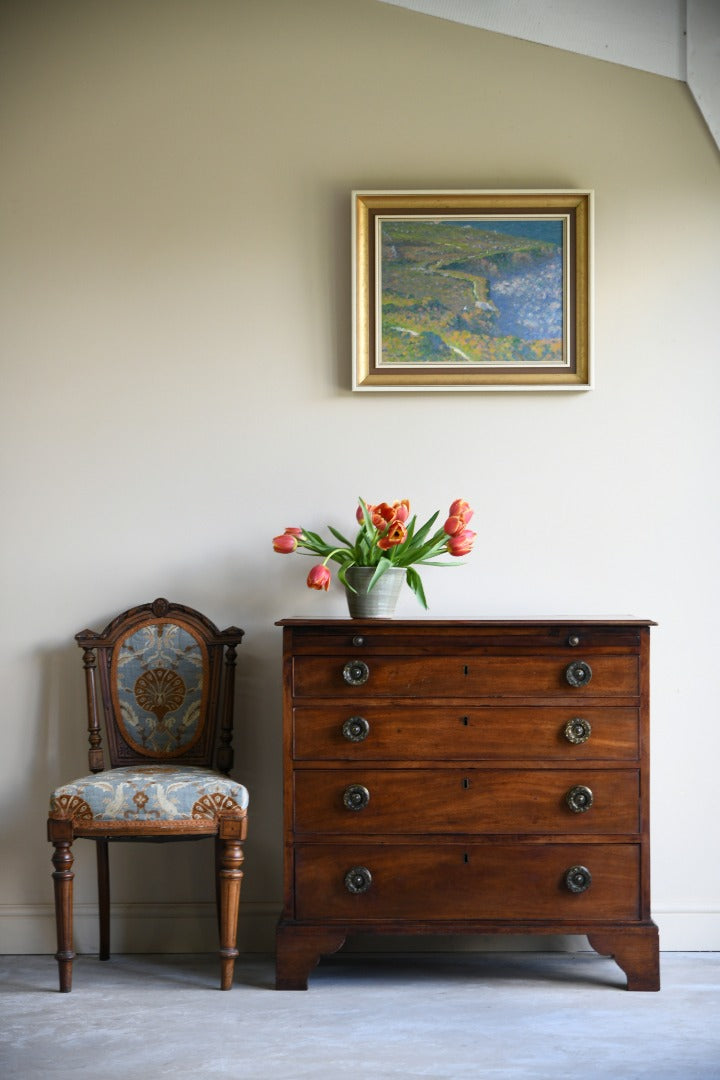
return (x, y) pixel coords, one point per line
(380, 602)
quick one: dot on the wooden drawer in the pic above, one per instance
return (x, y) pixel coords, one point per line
(414, 801)
(460, 881)
(449, 733)
(464, 676)
(429, 638)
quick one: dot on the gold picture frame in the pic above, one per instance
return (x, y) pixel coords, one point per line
(472, 290)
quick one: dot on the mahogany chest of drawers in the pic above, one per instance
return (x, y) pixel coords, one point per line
(466, 777)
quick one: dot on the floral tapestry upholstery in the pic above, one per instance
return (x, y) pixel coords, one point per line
(159, 678)
(149, 798)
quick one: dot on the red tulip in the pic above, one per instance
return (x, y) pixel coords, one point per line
(319, 577)
(293, 530)
(402, 510)
(461, 543)
(285, 544)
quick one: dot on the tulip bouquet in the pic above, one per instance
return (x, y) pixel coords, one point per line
(387, 537)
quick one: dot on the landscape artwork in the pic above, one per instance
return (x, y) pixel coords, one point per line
(483, 291)
(472, 290)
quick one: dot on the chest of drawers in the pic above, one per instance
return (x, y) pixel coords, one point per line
(466, 777)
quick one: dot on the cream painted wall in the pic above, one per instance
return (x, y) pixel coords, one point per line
(175, 386)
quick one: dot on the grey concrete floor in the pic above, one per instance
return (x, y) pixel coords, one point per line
(436, 1016)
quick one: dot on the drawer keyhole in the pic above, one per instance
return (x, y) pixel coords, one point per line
(466, 782)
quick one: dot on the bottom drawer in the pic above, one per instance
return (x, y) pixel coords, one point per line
(364, 882)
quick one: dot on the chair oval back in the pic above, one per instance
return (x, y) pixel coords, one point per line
(161, 674)
(159, 677)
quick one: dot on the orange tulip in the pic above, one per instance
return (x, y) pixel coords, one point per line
(376, 515)
(454, 525)
(319, 577)
(461, 508)
(386, 512)
(382, 513)
(396, 534)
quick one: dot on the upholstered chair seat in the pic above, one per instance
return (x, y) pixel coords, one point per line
(137, 797)
(166, 678)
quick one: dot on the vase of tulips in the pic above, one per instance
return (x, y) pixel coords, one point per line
(384, 553)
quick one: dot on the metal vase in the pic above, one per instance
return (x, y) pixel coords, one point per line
(380, 602)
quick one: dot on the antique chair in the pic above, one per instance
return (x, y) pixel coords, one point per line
(166, 676)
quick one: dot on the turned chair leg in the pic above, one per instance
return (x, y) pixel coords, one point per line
(218, 852)
(63, 875)
(229, 880)
(103, 879)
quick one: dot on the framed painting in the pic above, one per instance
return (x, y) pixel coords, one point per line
(472, 290)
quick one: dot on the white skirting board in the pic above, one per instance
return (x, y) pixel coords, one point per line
(191, 928)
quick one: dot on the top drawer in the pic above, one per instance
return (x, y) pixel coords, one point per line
(462, 676)
(430, 638)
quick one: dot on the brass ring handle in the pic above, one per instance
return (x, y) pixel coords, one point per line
(355, 797)
(578, 730)
(578, 879)
(578, 673)
(356, 673)
(579, 799)
(358, 880)
(355, 729)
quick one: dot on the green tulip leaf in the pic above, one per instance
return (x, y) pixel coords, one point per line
(415, 582)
